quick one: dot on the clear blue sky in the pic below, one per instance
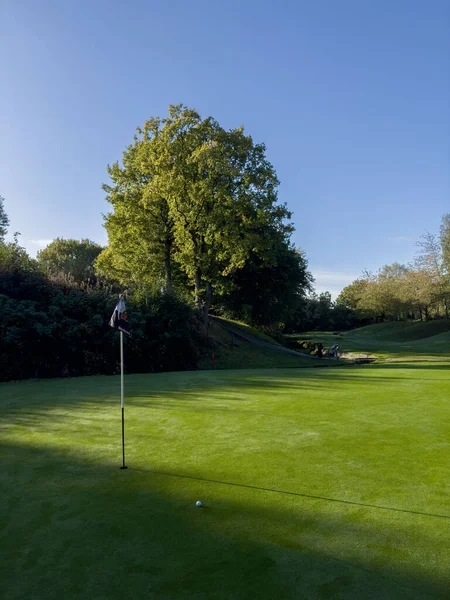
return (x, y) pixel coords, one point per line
(351, 97)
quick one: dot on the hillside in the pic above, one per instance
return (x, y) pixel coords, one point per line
(233, 352)
(398, 340)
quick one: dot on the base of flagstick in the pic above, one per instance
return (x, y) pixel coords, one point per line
(124, 467)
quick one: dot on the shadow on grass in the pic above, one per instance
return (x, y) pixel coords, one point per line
(72, 529)
(298, 494)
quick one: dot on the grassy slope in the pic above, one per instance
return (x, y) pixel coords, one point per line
(392, 340)
(249, 330)
(74, 526)
(231, 353)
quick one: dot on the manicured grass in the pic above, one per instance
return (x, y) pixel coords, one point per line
(290, 465)
(403, 340)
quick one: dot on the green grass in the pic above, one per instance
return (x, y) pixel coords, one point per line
(402, 340)
(289, 463)
(232, 353)
(249, 330)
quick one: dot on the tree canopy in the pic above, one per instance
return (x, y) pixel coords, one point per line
(195, 200)
(70, 261)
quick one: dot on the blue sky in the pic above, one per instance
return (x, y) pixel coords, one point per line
(351, 98)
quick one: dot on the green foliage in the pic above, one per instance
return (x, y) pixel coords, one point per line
(19, 275)
(48, 330)
(396, 292)
(319, 312)
(139, 228)
(268, 291)
(70, 261)
(4, 221)
(417, 291)
(445, 244)
(306, 346)
(193, 206)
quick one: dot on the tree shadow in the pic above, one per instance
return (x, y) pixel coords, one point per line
(297, 494)
(78, 529)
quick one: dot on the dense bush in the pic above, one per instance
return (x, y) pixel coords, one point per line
(306, 346)
(52, 331)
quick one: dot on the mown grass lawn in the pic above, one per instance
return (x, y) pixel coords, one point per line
(290, 464)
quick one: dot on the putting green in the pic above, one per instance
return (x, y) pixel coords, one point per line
(316, 483)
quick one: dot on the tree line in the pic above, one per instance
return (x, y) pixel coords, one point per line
(58, 328)
(195, 224)
(420, 290)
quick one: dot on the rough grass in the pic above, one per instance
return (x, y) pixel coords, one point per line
(317, 483)
(233, 353)
(249, 330)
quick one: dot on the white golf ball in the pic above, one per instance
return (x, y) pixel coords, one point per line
(198, 503)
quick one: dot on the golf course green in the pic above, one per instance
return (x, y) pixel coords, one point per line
(315, 483)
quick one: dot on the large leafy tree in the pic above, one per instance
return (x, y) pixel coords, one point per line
(192, 193)
(140, 228)
(422, 292)
(354, 297)
(269, 290)
(70, 261)
(431, 258)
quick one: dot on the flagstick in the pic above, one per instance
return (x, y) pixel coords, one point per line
(122, 401)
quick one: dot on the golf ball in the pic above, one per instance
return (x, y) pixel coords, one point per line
(198, 503)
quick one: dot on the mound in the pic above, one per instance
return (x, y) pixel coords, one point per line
(402, 331)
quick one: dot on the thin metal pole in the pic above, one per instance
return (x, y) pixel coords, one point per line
(122, 404)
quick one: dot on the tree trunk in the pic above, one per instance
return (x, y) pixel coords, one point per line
(197, 285)
(168, 266)
(207, 305)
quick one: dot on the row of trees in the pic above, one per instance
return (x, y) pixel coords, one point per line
(319, 312)
(195, 224)
(417, 291)
(55, 318)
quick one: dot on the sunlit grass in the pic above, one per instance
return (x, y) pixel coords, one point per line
(270, 454)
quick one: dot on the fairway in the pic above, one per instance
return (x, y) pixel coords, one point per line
(316, 483)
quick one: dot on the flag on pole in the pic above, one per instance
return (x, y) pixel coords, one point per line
(119, 319)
